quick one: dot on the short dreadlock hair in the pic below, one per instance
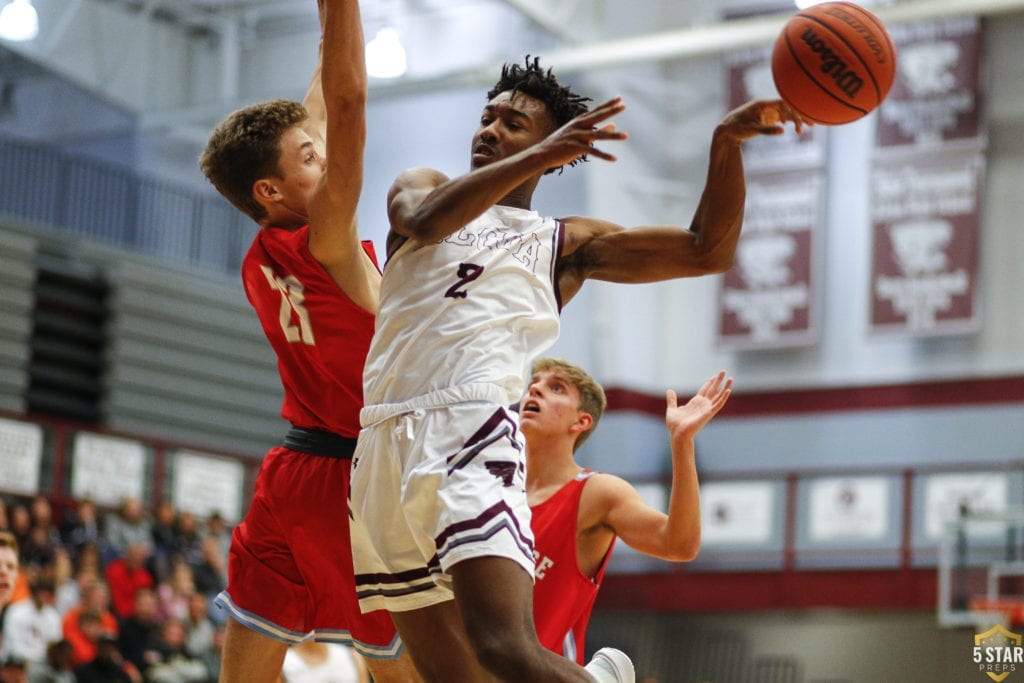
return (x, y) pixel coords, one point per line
(530, 79)
(247, 147)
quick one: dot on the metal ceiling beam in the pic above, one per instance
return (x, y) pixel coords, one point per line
(692, 42)
(183, 13)
(662, 46)
(60, 28)
(743, 33)
(543, 18)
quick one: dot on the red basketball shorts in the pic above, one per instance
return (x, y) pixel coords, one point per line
(290, 566)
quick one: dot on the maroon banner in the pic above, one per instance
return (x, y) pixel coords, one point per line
(925, 221)
(768, 299)
(935, 100)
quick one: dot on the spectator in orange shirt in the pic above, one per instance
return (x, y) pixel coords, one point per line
(96, 603)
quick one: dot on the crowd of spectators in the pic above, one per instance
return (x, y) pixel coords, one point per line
(111, 595)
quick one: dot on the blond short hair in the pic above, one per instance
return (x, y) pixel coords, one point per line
(592, 398)
(8, 540)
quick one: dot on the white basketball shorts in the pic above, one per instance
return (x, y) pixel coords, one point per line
(436, 480)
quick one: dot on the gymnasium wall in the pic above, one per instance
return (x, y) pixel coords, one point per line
(181, 355)
(17, 275)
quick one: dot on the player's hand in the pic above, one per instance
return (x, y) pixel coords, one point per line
(761, 117)
(684, 421)
(577, 138)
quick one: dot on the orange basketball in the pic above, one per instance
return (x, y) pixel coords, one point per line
(834, 62)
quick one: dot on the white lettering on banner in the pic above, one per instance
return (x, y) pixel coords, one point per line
(764, 312)
(781, 208)
(921, 299)
(21, 449)
(107, 469)
(929, 31)
(926, 119)
(915, 191)
(204, 485)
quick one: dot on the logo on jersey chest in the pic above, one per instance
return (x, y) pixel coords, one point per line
(523, 248)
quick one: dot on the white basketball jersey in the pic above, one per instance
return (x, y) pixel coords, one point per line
(478, 306)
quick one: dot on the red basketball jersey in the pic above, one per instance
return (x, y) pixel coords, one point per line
(562, 596)
(320, 336)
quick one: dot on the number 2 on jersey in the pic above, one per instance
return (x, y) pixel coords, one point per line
(467, 273)
(292, 297)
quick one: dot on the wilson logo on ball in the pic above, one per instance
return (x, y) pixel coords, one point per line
(846, 78)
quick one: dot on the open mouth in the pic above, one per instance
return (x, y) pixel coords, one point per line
(484, 151)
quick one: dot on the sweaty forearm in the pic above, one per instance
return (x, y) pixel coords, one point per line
(719, 216)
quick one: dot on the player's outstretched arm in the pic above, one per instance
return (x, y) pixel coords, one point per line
(428, 207)
(316, 124)
(675, 536)
(719, 216)
(605, 251)
(333, 237)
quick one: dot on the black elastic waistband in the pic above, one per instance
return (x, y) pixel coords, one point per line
(320, 442)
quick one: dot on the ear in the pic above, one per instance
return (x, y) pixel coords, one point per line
(265, 191)
(584, 423)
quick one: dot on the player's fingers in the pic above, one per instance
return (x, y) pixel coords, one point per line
(671, 400)
(770, 113)
(789, 114)
(710, 384)
(721, 399)
(611, 132)
(615, 102)
(600, 154)
(605, 111)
